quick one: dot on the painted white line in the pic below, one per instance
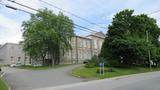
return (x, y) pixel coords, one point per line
(9, 88)
(2, 74)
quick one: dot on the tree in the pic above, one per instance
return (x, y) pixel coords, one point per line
(47, 34)
(126, 42)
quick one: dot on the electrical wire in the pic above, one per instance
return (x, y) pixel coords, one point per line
(77, 16)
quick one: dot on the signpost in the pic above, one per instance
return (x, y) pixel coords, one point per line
(101, 68)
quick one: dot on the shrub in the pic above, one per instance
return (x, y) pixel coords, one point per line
(110, 70)
(98, 70)
(94, 62)
(90, 65)
(105, 70)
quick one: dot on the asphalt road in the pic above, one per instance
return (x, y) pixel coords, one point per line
(146, 81)
(20, 79)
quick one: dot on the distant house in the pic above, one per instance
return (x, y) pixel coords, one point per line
(83, 48)
(11, 53)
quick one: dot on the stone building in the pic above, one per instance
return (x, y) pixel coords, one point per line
(11, 53)
(83, 48)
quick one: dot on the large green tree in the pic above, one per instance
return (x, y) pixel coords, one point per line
(47, 35)
(126, 43)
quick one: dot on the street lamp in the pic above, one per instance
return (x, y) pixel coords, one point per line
(11, 7)
(14, 8)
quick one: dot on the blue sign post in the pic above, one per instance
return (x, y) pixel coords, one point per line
(101, 65)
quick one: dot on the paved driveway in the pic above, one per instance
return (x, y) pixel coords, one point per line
(20, 79)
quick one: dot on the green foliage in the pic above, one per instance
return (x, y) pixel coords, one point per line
(90, 65)
(91, 72)
(3, 86)
(105, 70)
(31, 67)
(47, 33)
(126, 42)
(94, 61)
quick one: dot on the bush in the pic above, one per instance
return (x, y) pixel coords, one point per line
(90, 65)
(94, 62)
(98, 70)
(105, 70)
(110, 70)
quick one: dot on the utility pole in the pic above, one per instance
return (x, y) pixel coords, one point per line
(149, 53)
(77, 57)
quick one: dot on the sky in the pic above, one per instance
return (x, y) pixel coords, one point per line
(100, 12)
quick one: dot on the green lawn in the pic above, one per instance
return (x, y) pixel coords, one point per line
(43, 67)
(91, 72)
(3, 85)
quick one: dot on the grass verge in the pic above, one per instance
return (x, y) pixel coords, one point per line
(3, 85)
(29, 67)
(90, 73)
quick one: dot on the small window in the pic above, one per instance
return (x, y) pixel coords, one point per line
(11, 58)
(19, 58)
(12, 47)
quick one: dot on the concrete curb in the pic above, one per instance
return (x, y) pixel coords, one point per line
(1, 76)
(130, 75)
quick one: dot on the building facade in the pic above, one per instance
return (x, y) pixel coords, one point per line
(83, 48)
(11, 53)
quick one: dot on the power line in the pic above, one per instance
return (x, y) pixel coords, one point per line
(83, 29)
(154, 12)
(32, 13)
(77, 16)
(22, 5)
(62, 19)
(38, 11)
(8, 6)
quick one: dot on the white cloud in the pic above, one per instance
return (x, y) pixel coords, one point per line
(97, 11)
(11, 30)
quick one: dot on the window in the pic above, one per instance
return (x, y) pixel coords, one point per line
(11, 58)
(12, 61)
(19, 58)
(19, 47)
(100, 45)
(80, 44)
(1, 59)
(73, 42)
(80, 54)
(88, 44)
(84, 43)
(26, 58)
(12, 47)
(95, 44)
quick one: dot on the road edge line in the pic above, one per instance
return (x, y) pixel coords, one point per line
(9, 88)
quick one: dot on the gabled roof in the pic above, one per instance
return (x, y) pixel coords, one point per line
(98, 34)
(83, 37)
(8, 44)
